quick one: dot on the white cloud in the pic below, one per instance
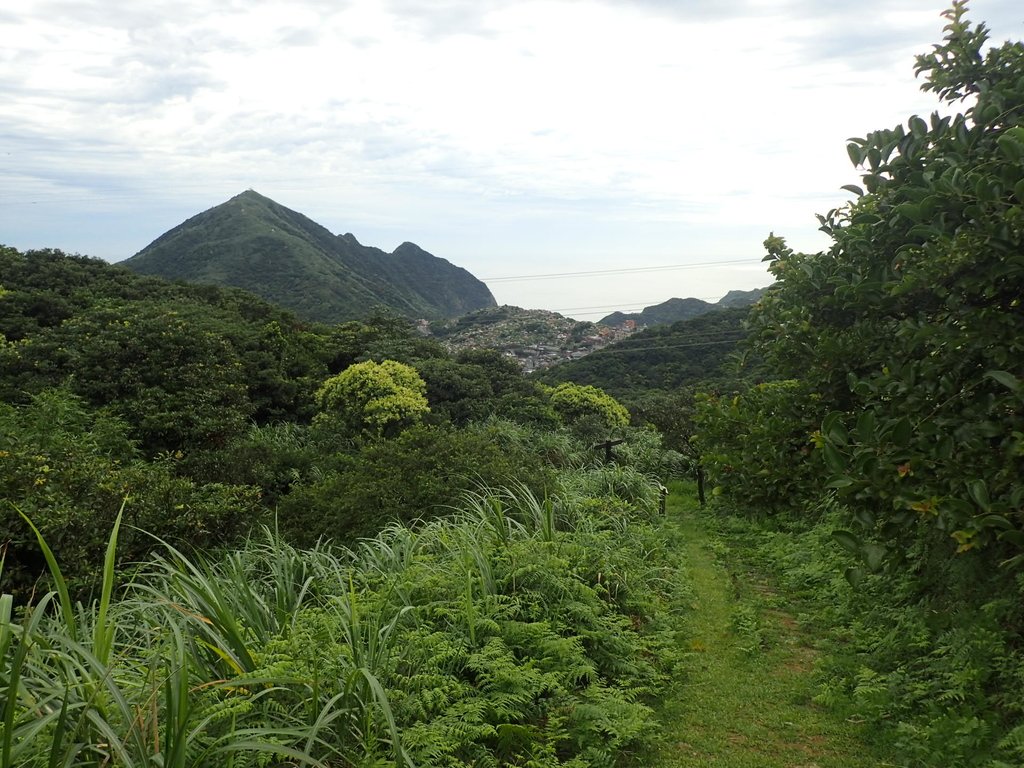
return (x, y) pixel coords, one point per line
(502, 135)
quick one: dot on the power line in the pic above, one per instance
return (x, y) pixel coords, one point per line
(622, 271)
(632, 304)
(621, 351)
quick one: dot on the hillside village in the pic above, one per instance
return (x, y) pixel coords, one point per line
(535, 338)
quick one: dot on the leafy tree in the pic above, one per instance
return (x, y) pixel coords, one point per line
(574, 403)
(165, 369)
(207, 358)
(456, 391)
(911, 325)
(754, 445)
(373, 398)
(672, 414)
(482, 383)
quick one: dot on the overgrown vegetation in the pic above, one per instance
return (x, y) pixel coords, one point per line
(508, 605)
(518, 630)
(900, 388)
(286, 543)
(935, 675)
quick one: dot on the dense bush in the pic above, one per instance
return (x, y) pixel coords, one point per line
(185, 366)
(755, 446)
(911, 327)
(901, 350)
(588, 407)
(70, 470)
(373, 399)
(414, 475)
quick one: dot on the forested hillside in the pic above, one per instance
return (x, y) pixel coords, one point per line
(663, 358)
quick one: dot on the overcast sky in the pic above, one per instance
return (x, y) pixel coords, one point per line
(512, 138)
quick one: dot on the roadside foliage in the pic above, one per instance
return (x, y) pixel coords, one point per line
(898, 359)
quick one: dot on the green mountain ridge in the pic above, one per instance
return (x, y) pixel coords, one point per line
(675, 309)
(254, 243)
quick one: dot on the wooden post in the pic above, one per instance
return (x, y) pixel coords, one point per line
(700, 485)
(607, 445)
(663, 505)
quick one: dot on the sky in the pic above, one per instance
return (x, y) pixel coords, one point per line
(582, 156)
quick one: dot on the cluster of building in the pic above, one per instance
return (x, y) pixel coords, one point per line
(536, 339)
(534, 357)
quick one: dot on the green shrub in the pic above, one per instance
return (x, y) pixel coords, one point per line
(373, 398)
(756, 446)
(576, 404)
(930, 658)
(414, 475)
(70, 470)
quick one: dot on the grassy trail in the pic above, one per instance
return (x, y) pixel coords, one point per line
(746, 702)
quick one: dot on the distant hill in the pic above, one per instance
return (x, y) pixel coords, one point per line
(251, 242)
(674, 310)
(741, 298)
(665, 357)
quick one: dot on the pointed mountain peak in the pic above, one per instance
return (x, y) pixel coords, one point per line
(255, 243)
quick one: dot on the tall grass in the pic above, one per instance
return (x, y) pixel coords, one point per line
(504, 634)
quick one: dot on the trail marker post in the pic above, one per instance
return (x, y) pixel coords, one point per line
(607, 445)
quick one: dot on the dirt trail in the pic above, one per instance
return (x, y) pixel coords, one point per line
(747, 701)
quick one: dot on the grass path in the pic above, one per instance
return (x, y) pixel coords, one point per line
(746, 702)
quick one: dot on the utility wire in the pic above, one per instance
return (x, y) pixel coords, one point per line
(619, 350)
(622, 271)
(632, 304)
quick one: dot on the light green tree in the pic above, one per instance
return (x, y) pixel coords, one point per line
(373, 398)
(575, 402)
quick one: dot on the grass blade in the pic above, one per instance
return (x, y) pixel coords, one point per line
(103, 635)
(58, 578)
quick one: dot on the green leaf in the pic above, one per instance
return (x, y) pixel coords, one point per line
(902, 431)
(58, 578)
(1011, 149)
(865, 517)
(995, 521)
(1005, 378)
(832, 427)
(873, 556)
(847, 541)
(103, 633)
(978, 491)
(854, 189)
(840, 482)
(910, 211)
(866, 426)
(854, 576)
(1014, 537)
(833, 458)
